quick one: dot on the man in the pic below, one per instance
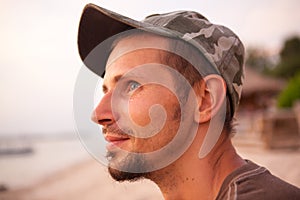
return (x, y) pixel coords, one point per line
(172, 84)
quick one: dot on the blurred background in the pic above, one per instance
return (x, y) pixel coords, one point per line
(41, 156)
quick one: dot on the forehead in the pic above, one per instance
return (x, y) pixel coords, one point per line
(135, 51)
(132, 43)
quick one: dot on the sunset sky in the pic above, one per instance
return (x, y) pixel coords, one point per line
(39, 60)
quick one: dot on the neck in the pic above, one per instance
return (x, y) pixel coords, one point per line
(192, 178)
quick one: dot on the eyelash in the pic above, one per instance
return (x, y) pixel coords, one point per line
(131, 83)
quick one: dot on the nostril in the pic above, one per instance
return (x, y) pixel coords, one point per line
(104, 121)
(102, 114)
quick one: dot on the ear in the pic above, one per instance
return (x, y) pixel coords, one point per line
(210, 95)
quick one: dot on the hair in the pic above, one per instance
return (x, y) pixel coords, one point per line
(193, 73)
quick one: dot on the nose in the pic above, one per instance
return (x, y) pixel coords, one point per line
(102, 114)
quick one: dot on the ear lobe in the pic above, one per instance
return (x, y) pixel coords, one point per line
(210, 97)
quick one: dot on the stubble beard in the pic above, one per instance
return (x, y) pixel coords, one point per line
(134, 167)
(131, 168)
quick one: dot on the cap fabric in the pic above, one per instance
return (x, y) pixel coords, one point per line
(219, 44)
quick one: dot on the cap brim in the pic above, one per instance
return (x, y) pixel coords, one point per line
(97, 25)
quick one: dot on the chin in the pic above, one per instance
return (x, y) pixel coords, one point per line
(121, 176)
(130, 168)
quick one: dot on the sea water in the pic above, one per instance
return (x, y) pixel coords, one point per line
(48, 156)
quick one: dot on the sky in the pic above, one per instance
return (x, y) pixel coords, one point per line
(39, 60)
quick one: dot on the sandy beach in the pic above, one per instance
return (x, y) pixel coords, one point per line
(89, 180)
(86, 180)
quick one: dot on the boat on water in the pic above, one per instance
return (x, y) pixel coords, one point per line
(15, 149)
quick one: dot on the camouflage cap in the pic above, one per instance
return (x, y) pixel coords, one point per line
(220, 45)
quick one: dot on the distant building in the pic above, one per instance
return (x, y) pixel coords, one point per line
(259, 91)
(278, 128)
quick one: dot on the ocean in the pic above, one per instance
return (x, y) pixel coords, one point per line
(42, 157)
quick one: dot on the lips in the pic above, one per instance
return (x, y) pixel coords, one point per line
(115, 140)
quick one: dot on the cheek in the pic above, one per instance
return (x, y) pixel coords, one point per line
(141, 102)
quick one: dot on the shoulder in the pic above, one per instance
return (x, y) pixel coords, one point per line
(255, 182)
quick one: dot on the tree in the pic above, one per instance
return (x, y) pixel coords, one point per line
(259, 60)
(289, 63)
(291, 93)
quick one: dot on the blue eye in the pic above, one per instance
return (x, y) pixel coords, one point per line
(133, 85)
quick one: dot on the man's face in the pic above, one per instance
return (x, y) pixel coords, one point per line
(139, 111)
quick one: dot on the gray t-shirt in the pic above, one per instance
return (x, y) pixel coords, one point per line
(255, 182)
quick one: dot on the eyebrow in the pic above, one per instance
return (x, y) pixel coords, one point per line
(115, 80)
